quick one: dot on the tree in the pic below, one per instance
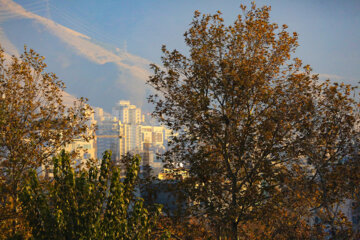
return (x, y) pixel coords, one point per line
(244, 112)
(34, 125)
(88, 204)
(331, 152)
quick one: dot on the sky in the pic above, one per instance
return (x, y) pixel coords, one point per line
(102, 49)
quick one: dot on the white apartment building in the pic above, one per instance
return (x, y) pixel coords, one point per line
(127, 113)
(125, 132)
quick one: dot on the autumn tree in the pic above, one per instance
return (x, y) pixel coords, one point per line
(34, 125)
(94, 203)
(245, 113)
(331, 153)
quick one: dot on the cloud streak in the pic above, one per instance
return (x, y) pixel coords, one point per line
(326, 76)
(130, 66)
(7, 44)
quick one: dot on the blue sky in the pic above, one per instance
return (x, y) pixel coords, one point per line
(134, 30)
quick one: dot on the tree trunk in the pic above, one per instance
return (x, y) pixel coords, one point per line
(234, 230)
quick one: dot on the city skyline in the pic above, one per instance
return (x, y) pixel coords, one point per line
(126, 130)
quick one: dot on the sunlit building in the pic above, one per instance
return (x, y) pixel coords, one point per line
(127, 113)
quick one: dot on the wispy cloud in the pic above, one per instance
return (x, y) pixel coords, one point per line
(7, 44)
(48, 15)
(131, 66)
(325, 76)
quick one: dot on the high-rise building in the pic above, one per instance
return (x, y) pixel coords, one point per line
(131, 118)
(110, 135)
(132, 137)
(124, 132)
(127, 113)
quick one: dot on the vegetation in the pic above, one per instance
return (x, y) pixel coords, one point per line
(50, 199)
(266, 149)
(88, 204)
(34, 125)
(268, 146)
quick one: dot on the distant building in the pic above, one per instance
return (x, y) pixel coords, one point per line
(132, 136)
(124, 132)
(86, 149)
(82, 150)
(173, 174)
(110, 135)
(127, 113)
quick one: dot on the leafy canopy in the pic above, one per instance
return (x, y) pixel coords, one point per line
(249, 118)
(34, 125)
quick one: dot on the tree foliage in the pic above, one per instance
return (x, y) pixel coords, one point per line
(262, 137)
(88, 204)
(34, 125)
(331, 151)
